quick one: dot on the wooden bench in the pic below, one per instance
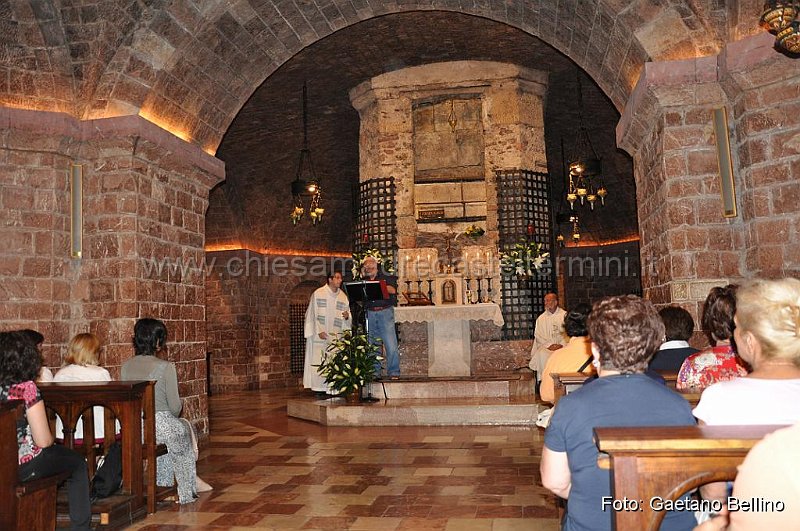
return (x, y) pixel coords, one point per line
(565, 382)
(133, 404)
(668, 462)
(28, 505)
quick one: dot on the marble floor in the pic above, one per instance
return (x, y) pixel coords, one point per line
(270, 471)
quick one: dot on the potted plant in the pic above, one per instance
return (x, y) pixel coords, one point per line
(348, 364)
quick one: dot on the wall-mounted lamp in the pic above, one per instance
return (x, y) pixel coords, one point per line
(76, 210)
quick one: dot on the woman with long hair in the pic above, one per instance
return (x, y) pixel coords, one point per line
(20, 362)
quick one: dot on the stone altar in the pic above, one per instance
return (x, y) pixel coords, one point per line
(449, 346)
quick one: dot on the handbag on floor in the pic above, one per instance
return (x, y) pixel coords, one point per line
(108, 478)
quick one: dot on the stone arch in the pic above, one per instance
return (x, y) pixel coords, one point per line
(198, 91)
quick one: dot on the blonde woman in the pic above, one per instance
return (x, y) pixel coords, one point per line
(82, 364)
(767, 337)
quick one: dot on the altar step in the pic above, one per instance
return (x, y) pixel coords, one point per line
(516, 384)
(488, 400)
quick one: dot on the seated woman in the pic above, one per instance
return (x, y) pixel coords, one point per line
(626, 331)
(720, 362)
(576, 356)
(150, 339)
(679, 326)
(767, 336)
(82, 365)
(20, 362)
(769, 474)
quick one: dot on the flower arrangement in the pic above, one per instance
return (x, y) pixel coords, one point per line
(524, 259)
(474, 232)
(358, 260)
(348, 363)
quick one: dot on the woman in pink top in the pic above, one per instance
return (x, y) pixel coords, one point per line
(720, 362)
(38, 457)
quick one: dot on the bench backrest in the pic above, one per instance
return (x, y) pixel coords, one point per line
(667, 462)
(9, 451)
(566, 382)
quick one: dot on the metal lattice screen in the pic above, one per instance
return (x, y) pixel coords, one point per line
(376, 225)
(523, 201)
(297, 343)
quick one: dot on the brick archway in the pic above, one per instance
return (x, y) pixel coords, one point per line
(190, 71)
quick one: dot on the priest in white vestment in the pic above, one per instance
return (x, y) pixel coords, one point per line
(328, 314)
(549, 334)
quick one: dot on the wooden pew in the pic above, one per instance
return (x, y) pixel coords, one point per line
(668, 462)
(127, 401)
(29, 505)
(566, 382)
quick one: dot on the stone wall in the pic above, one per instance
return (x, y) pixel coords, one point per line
(591, 273)
(145, 193)
(490, 355)
(248, 300)
(512, 123)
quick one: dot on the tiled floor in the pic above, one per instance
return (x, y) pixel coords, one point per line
(270, 471)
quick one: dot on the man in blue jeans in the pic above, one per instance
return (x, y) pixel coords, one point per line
(380, 317)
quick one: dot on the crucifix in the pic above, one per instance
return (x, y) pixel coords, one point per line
(448, 239)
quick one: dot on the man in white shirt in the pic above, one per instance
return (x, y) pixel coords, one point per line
(548, 335)
(328, 314)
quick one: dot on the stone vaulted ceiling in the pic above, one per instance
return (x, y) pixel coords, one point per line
(261, 147)
(234, 68)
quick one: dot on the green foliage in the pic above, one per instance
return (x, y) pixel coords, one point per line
(349, 361)
(524, 259)
(474, 232)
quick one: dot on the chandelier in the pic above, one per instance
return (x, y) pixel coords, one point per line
(779, 17)
(305, 187)
(585, 182)
(575, 231)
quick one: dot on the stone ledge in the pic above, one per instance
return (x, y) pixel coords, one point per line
(418, 412)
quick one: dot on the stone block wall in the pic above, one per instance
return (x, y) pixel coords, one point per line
(145, 193)
(248, 295)
(591, 273)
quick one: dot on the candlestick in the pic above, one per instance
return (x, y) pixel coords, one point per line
(489, 288)
(479, 290)
(416, 267)
(466, 264)
(430, 289)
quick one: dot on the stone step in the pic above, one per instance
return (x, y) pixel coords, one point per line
(517, 384)
(481, 411)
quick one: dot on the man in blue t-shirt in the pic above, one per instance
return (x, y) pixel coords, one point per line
(626, 331)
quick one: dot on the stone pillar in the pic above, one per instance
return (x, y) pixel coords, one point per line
(512, 120)
(687, 246)
(145, 194)
(762, 87)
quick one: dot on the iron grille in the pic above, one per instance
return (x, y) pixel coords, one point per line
(523, 201)
(376, 226)
(297, 341)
